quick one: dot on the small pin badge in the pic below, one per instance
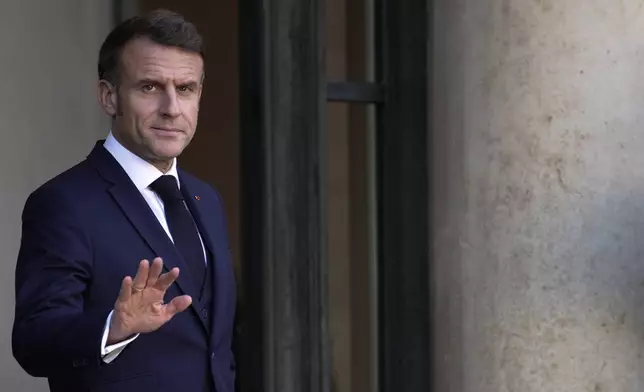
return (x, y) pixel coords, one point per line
(197, 197)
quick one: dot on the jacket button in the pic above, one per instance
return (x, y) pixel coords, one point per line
(79, 362)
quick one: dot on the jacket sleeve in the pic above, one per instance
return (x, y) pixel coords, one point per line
(52, 331)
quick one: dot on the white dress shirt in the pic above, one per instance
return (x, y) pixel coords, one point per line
(142, 175)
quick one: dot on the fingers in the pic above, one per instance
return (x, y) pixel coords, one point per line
(178, 305)
(155, 271)
(166, 280)
(126, 289)
(141, 277)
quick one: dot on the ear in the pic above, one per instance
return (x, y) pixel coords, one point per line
(108, 98)
(201, 83)
(200, 89)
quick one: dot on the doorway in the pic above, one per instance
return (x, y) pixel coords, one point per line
(314, 129)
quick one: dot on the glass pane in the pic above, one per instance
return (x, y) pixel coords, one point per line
(351, 187)
(351, 241)
(350, 40)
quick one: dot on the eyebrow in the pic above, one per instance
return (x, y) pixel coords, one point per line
(186, 83)
(148, 81)
(189, 83)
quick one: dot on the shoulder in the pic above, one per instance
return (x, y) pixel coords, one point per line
(68, 189)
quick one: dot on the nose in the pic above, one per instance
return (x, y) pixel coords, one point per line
(171, 106)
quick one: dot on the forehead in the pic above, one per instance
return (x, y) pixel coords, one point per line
(142, 58)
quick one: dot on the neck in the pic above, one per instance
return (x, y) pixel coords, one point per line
(163, 166)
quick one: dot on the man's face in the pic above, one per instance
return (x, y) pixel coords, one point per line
(156, 103)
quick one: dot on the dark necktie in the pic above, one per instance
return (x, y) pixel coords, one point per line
(182, 226)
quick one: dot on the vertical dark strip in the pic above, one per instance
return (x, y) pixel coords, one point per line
(362, 350)
(249, 342)
(283, 329)
(295, 196)
(117, 12)
(403, 197)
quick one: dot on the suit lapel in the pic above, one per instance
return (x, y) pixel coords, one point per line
(205, 219)
(138, 212)
(198, 212)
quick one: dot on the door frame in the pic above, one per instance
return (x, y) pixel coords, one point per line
(283, 91)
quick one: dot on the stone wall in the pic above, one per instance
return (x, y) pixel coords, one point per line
(538, 141)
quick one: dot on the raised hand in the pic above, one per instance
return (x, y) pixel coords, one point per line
(139, 307)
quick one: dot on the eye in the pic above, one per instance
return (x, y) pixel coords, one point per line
(147, 88)
(184, 89)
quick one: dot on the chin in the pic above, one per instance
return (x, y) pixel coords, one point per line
(168, 149)
(168, 154)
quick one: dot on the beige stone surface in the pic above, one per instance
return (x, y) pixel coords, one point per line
(538, 182)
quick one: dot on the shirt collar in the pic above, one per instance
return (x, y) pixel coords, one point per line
(141, 173)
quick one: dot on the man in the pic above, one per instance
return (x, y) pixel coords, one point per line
(124, 279)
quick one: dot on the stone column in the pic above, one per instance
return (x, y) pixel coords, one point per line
(538, 195)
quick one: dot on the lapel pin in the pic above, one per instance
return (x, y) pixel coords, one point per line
(197, 198)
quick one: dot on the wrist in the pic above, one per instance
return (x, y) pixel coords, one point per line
(117, 332)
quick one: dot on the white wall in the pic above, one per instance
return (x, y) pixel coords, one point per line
(49, 120)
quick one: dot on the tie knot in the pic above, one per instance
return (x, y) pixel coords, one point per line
(166, 187)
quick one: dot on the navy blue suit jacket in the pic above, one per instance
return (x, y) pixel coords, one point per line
(82, 232)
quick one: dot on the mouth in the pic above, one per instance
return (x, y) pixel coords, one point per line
(167, 130)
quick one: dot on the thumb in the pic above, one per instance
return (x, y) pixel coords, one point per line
(178, 305)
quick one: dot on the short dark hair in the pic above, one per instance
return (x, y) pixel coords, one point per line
(161, 26)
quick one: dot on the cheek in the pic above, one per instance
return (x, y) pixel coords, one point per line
(143, 111)
(191, 113)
